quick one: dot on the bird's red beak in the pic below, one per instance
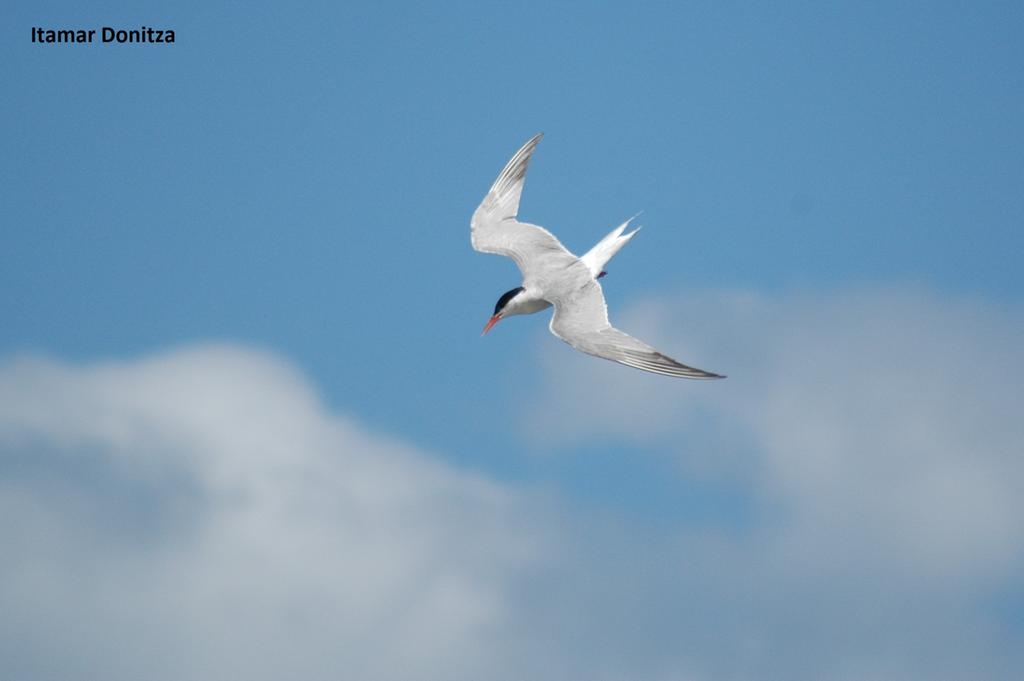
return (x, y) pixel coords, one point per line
(490, 322)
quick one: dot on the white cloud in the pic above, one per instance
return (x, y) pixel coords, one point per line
(878, 435)
(882, 419)
(199, 514)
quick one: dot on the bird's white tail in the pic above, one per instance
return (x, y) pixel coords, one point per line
(598, 256)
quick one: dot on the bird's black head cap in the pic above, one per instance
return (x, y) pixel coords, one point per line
(505, 297)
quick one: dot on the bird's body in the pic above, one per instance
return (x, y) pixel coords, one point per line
(553, 276)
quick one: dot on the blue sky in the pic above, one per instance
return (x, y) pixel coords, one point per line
(832, 215)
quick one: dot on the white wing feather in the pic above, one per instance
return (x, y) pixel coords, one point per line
(581, 320)
(494, 228)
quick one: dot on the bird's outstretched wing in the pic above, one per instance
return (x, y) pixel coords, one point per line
(581, 320)
(495, 229)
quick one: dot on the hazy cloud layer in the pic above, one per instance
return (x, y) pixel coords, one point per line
(878, 437)
(198, 514)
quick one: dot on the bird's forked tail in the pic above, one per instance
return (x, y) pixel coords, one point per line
(598, 256)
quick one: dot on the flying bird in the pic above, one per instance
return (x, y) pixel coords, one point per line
(552, 276)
